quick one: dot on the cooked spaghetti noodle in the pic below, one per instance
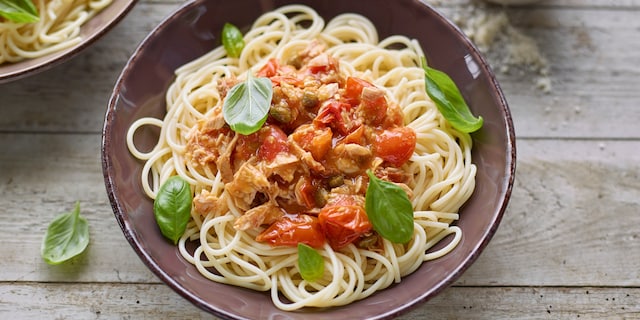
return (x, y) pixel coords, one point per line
(440, 174)
(57, 29)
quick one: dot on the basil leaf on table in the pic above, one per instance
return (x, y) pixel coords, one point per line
(246, 107)
(447, 97)
(389, 209)
(21, 11)
(172, 207)
(310, 263)
(67, 236)
(232, 40)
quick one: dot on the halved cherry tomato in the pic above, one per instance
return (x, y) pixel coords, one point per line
(272, 142)
(343, 221)
(353, 90)
(291, 230)
(395, 145)
(270, 69)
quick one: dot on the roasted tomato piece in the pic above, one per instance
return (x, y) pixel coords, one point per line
(394, 117)
(369, 99)
(291, 230)
(343, 221)
(272, 142)
(322, 63)
(311, 193)
(353, 90)
(373, 105)
(270, 69)
(395, 145)
(315, 140)
(279, 80)
(335, 114)
(246, 146)
(356, 136)
(307, 193)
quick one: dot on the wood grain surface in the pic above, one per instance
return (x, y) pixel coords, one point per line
(568, 246)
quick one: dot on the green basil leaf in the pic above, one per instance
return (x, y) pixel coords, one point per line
(310, 263)
(389, 210)
(444, 92)
(67, 236)
(232, 40)
(172, 207)
(246, 107)
(21, 11)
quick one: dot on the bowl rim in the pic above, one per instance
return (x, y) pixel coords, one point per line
(445, 282)
(39, 64)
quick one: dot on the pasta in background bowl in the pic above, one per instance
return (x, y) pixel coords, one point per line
(65, 28)
(148, 89)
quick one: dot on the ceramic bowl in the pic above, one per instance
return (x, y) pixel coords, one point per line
(193, 30)
(91, 31)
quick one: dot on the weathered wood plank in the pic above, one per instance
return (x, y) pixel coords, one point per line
(591, 65)
(593, 76)
(567, 224)
(565, 249)
(42, 176)
(570, 217)
(157, 301)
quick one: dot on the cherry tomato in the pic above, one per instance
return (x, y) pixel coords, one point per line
(270, 69)
(395, 145)
(353, 90)
(291, 230)
(272, 142)
(343, 222)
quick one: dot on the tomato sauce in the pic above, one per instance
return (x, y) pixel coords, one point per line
(323, 132)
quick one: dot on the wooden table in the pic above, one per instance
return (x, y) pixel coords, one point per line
(568, 246)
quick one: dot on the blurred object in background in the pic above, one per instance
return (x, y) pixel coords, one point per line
(508, 48)
(512, 2)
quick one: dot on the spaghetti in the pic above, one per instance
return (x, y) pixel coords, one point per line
(439, 175)
(57, 29)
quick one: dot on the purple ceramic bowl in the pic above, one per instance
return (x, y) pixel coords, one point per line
(192, 31)
(91, 31)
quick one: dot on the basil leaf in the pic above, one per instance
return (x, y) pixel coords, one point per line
(232, 40)
(21, 11)
(172, 207)
(246, 107)
(444, 92)
(67, 236)
(389, 210)
(310, 263)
